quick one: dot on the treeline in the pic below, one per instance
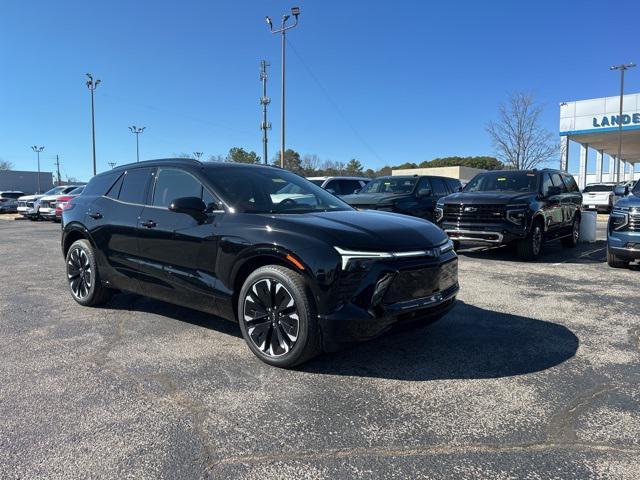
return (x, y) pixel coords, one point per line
(312, 165)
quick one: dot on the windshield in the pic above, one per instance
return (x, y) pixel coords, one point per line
(598, 188)
(390, 185)
(270, 190)
(76, 191)
(636, 189)
(516, 181)
(54, 191)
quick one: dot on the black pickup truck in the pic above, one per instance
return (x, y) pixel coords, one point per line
(522, 207)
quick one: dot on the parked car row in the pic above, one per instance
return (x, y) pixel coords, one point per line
(49, 205)
(294, 264)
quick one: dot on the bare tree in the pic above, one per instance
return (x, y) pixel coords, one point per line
(5, 165)
(310, 163)
(517, 136)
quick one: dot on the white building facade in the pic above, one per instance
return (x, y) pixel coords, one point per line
(595, 125)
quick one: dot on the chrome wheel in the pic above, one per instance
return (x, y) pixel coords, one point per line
(536, 240)
(271, 317)
(79, 273)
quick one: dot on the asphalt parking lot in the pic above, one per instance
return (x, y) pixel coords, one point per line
(534, 374)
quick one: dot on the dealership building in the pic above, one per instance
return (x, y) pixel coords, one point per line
(594, 125)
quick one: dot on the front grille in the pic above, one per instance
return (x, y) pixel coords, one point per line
(474, 213)
(423, 282)
(634, 219)
(44, 204)
(22, 204)
(30, 204)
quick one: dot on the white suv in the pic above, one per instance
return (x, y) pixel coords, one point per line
(599, 196)
(340, 185)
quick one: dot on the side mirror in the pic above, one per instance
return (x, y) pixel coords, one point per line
(621, 191)
(424, 192)
(553, 191)
(193, 206)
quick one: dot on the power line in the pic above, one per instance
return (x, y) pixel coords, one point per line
(333, 102)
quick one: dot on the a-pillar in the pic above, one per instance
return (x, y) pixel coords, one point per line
(564, 153)
(582, 175)
(599, 162)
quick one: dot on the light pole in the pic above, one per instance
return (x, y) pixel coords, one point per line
(197, 155)
(622, 68)
(112, 164)
(295, 11)
(92, 85)
(264, 101)
(38, 150)
(137, 131)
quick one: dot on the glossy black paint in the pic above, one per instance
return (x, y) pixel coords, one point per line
(556, 210)
(420, 202)
(201, 262)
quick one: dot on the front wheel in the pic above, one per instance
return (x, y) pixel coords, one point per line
(572, 241)
(529, 248)
(615, 261)
(278, 318)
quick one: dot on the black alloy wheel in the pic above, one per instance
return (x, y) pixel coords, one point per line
(572, 241)
(529, 248)
(83, 276)
(277, 316)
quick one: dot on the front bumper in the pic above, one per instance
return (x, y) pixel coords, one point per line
(625, 244)
(487, 233)
(392, 293)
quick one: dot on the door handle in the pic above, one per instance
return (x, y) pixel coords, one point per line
(95, 215)
(149, 224)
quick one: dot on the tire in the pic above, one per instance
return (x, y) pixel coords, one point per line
(572, 241)
(267, 290)
(615, 261)
(83, 276)
(529, 248)
(456, 245)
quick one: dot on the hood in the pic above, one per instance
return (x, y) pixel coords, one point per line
(488, 198)
(28, 198)
(364, 230)
(629, 201)
(370, 198)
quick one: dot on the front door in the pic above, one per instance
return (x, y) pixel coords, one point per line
(178, 249)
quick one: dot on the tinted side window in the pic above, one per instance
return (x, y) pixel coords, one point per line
(334, 186)
(570, 183)
(557, 182)
(546, 183)
(454, 184)
(172, 183)
(134, 186)
(114, 191)
(439, 188)
(424, 184)
(100, 184)
(347, 187)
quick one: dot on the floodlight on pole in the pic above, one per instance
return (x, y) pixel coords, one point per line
(92, 85)
(197, 155)
(622, 69)
(295, 11)
(137, 131)
(37, 149)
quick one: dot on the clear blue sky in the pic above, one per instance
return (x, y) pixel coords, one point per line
(415, 80)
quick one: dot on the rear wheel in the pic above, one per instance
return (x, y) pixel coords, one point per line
(529, 248)
(572, 241)
(83, 276)
(615, 261)
(278, 318)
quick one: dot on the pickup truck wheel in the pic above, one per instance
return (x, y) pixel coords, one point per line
(615, 261)
(83, 276)
(278, 318)
(572, 241)
(529, 248)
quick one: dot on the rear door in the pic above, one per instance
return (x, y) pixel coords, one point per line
(179, 250)
(113, 221)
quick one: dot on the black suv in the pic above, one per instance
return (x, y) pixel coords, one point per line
(410, 195)
(525, 207)
(299, 272)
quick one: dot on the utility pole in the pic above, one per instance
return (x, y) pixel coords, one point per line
(137, 131)
(111, 164)
(264, 101)
(91, 85)
(58, 170)
(622, 69)
(38, 150)
(197, 155)
(295, 11)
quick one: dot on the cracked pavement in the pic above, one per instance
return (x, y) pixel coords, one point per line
(534, 374)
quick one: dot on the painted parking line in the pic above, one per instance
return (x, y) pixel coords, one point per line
(580, 256)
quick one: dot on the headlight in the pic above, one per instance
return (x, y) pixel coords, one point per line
(517, 215)
(446, 246)
(348, 255)
(438, 213)
(618, 219)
